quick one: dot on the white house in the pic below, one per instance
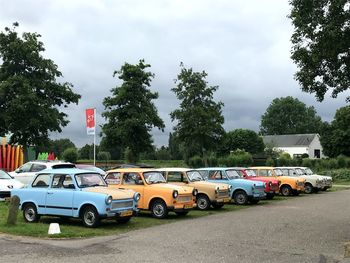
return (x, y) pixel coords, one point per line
(296, 144)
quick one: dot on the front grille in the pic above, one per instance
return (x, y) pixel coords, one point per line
(122, 204)
(300, 184)
(183, 199)
(223, 194)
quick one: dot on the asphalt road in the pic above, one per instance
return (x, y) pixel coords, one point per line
(310, 228)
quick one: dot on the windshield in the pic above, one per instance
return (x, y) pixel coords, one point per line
(89, 180)
(308, 171)
(154, 177)
(205, 174)
(278, 172)
(232, 174)
(250, 173)
(194, 176)
(4, 175)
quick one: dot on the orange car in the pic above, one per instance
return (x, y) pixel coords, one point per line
(156, 195)
(289, 185)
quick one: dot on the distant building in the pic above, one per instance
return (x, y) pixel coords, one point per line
(296, 144)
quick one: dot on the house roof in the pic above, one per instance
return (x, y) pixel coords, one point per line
(289, 140)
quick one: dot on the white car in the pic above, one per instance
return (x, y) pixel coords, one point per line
(7, 183)
(327, 180)
(313, 183)
(27, 171)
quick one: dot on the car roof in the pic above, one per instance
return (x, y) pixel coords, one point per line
(66, 171)
(262, 167)
(132, 170)
(174, 169)
(213, 168)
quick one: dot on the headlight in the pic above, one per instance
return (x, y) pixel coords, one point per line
(109, 200)
(195, 192)
(217, 189)
(175, 193)
(270, 183)
(253, 186)
(230, 187)
(137, 196)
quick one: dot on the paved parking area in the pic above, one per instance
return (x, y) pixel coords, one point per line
(311, 228)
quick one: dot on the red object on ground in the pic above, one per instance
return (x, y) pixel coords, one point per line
(1, 157)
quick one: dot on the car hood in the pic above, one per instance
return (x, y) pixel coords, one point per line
(115, 193)
(179, 188)
(8, 184)
(248, 182)
(263, 179)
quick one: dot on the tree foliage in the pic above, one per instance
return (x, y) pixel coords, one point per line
(288, 115)
(130, 112)
(70, 155)
(321, 43)
(243, 139)
(199, 118)
(57, 146)
(29, 92)
(335, 137)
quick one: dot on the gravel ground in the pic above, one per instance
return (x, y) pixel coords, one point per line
(311, 228)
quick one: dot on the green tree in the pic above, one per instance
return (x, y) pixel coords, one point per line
(243, 139)
(70, 155)
(321, 42)
(60, 145)
(115, 150)
(174, 147)
(130, 112)
(289, 115)
(335, 137)
(29, 92)
(87, 151)
(199, 118)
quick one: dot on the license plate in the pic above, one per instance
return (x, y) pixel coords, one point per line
(126, 213)
(227, 200)
(188, 206)
(220, 200)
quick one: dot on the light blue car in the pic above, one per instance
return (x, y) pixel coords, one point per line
(75, 193)
(242, 191)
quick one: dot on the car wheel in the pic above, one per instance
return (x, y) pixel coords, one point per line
(181, 213)
(30, 213)
(240, 197)
(286, 190)
(203, 202)
(159, 209)
(308, 189)
(90, 216)
(218, 206)
(123, 220)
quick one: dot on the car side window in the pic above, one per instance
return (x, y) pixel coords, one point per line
(42, 181)
(132, 179)
(263, 172)
(176, 177)
(285, 172)
(215, 175)
(37, 167)
(25, 167)
(113, 178)
(62, 181)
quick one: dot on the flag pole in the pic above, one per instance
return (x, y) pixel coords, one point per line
(95, 137)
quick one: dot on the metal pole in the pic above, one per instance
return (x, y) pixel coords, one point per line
(95, 137)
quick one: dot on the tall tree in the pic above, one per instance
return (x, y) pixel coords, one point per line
(130, 112)
(335, 137)
(199, 118)
(289, 115)
(30, 95)
(243, 139)
(321, 43)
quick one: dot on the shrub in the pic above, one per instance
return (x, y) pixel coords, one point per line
(103, 156)
(342, 161)
(307, 162)
(212, 161)
(222, 161)
(130, 156)
(196, 162)
(70, 155)
(304, 155)
(270, 162)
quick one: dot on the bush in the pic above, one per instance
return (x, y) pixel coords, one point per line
(222, 161)
(104, 156)
(196, 162)
(270, 162)
(342, 161)
(239, 158)
(70, 155)
(130, 156)
(304, 155)
(307, 162)
(212, 161)
(284, 159)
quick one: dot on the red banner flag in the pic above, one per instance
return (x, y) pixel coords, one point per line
(90, 121)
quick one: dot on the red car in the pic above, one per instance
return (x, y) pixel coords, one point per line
(272, 185)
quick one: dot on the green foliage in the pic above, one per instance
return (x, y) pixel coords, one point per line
(103, 156)
(321, 45)
(174, 147)
(195, 162)
(70, 155)
(335, 137)
(342, 161)
(130, 112)
(270, 162)
(163, 153)
(284, 160)
(114, 150)
(87, 151)
(339, 175)
(212, 160)
(244, 139)
(307, 162)
(199, 118)
(129, 156)
(288, 115)
(30, 95)
(239, 158)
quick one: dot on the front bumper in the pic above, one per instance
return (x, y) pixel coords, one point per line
(225, 200)
(4, 194)
(257, 195)
(182, 207)
(120, 214)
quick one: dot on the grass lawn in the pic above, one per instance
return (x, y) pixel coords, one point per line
(73, 228)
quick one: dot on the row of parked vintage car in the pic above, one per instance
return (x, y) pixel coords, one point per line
(61, 189)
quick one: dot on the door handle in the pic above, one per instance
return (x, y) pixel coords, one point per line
(49, 193)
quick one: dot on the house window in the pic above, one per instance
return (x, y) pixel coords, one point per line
(317, 153)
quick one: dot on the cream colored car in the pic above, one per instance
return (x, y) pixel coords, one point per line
(214, 194)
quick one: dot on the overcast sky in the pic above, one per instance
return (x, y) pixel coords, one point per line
(244, 46)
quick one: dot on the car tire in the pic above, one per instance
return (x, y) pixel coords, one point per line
(203, 202)
(240, 198)
(286, 190)
(30, 213)
(159, 209)
(182, 213)
(90, 217)
(308, 189)
(123, 220)
(217, 206)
